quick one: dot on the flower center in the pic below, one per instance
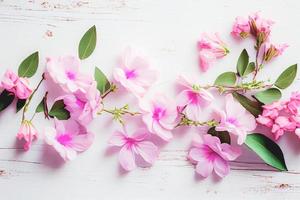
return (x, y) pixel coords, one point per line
(130, 74)
(158, 113)
(193, 97)
(71, 75)
(64, 139)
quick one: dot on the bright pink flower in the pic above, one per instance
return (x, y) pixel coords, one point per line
(211, 154)
(271, 50)
(266, 121)
(83, 106)
(27, 132)
(210, 48)
(193, 98)
(132, 146)
(241, 28)
(65, 72)
(134, 73)
(235, 119)
(159, 114)
(19, 86)
(68, 138)
(293, 105)
(281, 125)
(260, 27)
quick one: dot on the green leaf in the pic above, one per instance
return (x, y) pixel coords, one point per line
(242, 63)
(250, 68)
(226, 79)
(40, 107)
(253, 107)
(267, 150)
(268, 96)
(102, 82)
(87, 43)
(6, 98)
(222, 135)
(29, 66)
(20, 104)
(287, 77)
(58, 110)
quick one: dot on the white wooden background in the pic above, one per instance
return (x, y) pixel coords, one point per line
(166, 30)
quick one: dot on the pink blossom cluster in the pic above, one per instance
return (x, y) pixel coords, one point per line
(260, 29)
(282, 116)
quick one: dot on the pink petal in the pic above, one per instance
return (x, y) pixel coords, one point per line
(204, 167)
(140, 134)
(82, 142)
(196, 154)
(230, 152)
(182, 98)
(193, 111)
(148, 151)
(117, 139)
(206, 58)
(221, 167)
(127, 158)
(161, 132)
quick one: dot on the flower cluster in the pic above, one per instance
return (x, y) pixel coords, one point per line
(282, 116)
(79, 98)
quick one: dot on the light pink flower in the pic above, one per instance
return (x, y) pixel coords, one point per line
(212, 155)
(241, 28)
(159, 114)
(68, 138)
(83, 106)
(235, 119)
(193, 98)
(132, 146)
(27, 132)
(210, 48)
(134, 73)
(65, 72)
(271, 51)
(19, 86)
(260, 27)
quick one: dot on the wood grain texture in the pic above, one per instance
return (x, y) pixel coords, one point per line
(166, 31)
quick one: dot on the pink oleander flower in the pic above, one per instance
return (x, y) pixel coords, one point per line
(241, 28)
(83, 106)
(28, 133)
(159, 114)
(260, 27)
(68, 138)
(19, 86)
(210, 48)
(193, 98)
(271, 51)
(235, 119)
(133, 146)
(65, 72)
(134, 73)
(212, 155)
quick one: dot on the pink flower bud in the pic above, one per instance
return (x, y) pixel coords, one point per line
(27, 132)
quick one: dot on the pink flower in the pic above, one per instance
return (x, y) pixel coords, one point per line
(211, 155)
(241, 28)
(260, 27)
(134, 73)
(83, 107)
(27, 132)
(210, 48)
(19, 86)
(159, 114)
(281, 125)
(65, 72)
(271, 51)
(132, 146)
(293, 104)
(235, 119)
(68, 138)
(193, 98)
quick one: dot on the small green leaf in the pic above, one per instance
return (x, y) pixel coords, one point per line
(6, 98)
(102, 82)
(268, 96)
(253, 107)
(226, 79)
(29, 66)
(222, 135)
(20, 104)
(40, 107)
(267, 150)
(87, 43)
(242, 63)
(287, 77)
(250, 68)
(58, 110)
